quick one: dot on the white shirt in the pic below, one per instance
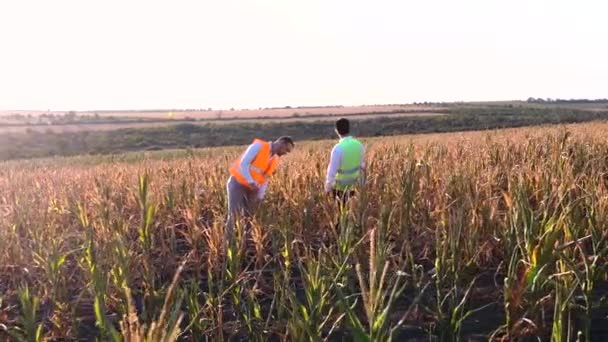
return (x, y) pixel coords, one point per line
(246, 160)
(335, 161)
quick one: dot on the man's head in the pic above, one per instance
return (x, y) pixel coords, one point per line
(283, 145)
(342, 127)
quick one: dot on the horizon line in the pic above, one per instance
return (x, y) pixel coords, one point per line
(182, 109)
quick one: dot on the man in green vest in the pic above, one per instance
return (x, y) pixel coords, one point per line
(345, 165)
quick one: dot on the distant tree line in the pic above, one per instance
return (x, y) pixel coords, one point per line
(573, 101)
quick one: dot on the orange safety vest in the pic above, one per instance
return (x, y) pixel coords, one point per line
(262, 166)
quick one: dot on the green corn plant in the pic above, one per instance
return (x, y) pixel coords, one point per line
(51, 264)
(282, 279)
(310, 318)
(197, 325)
(512, 294)
(283, 248)
(243, 298)
(145, 235)
(379, 292)
(530, 240)
(407, 195)
(446, 276)
(541, 255)
(119, 272)
(581, 260)
(204, 317)
(166, 328)
(346, 235)
(451, 264)
(376, 328)
(566, 282)
(104, 201)
(528, 276)
(217, 288)
(593, 260)
(98, 279)
(252, 314)
(31, 330)
(565, 287)
(214, 304)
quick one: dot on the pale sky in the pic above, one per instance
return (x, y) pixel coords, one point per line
(79, 55)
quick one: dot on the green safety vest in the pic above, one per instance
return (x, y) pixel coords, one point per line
(348, 173)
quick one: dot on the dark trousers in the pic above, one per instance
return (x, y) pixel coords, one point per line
(240, 205)
(342, 196)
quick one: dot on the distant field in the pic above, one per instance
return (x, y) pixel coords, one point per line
(23, 121)
(237, 113)
(271, 113)
(100, 137)
(102, 126)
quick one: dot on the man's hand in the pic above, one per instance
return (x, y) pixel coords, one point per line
(254, 187)
(255, 203)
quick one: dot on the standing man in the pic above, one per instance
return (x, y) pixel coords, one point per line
(345, 165)
(249, 177)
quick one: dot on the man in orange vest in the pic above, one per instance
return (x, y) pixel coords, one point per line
(249, 177)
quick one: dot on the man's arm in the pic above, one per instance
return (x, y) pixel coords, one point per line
(262, 191)
(247, 159)
(362, 157)
(334, 164)
(362, 175)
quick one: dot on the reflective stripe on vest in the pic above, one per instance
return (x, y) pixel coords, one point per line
(353, 170)
(256, 169)
(345, 182)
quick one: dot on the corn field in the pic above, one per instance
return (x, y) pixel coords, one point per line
(474, 236)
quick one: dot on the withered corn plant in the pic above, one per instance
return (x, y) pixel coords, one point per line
(497, 234)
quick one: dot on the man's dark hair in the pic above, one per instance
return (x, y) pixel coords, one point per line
(286, 140)
(343, 126)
